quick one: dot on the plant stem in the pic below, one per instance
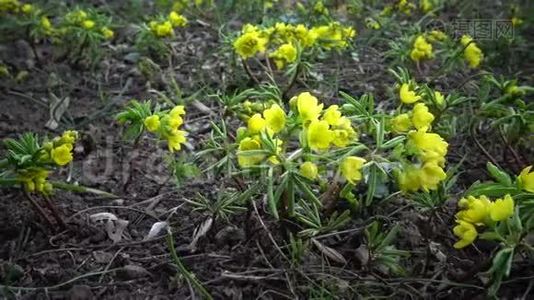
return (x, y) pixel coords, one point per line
(81, 189)
(292, 82)
(39, 209)
(249, 73)
(183, 270)
(52, 207)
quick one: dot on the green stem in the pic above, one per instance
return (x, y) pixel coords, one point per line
(8, 181)
(183, 270)
(4, 163)
(81, 189)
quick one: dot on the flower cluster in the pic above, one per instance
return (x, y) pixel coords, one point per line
(479, 212)
(87, 21)
(422, 49)
(13, 6)
(419, 118)
(167, 126)
(429, 149)
(472, 53)
(165, 27)
(59, 150)
(282, 40)
(322, 128)
(319, 130)
(29, 14)
(56, 152)
(271, 121)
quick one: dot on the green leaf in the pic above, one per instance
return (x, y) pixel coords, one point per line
(489, 236)
(498, 174)
(371, 184)
(491, 190)
(502, 264)
(270, 195)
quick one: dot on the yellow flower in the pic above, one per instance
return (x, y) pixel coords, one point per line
(372, 23)
(332, 115)
(164, 29)
(88, 24)
(333, 35)
(408, 179)
(309, 170)
(431, 146)
(319, 136)
(250, 43)
(526, 179)
(516, 21)
(350, 168)
(343, 132)
(472, 53)
(177, 20)
(437, 35)
(247, 160)
(430, 175)
(275, 117)
(35, 180)
(178, 110)
(476, 210)
(426, 5)
(62, 154)
(421, 117)
(421, 49)
(68, 137)
(502, 209)
(286, 53)
(405, 6)
(175, 139)
(401, 123)
(45, 24)
(256, 124)
(107, 33)
(308, 107)
(27, 8)
(466, 232)
(152, 123)
(304, 36)
(406, 95)
(320, 8)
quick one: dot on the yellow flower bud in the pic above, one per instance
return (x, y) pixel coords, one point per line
(152, 123)
(88, 24)
(309, 170)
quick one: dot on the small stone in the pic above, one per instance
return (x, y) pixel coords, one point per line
(81, 292)
(129, 272)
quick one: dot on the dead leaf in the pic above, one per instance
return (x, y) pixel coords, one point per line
(103, 216)
(57, 108)
(434, 249)
(200, 231)
(132, 272)
(362, 254)
(115, 229)
(329, 252)
(156, 229)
